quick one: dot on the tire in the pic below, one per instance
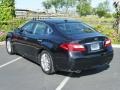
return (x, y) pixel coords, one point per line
(9, 47)
(46, 62)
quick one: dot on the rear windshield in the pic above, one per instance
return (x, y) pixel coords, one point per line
(74, 28)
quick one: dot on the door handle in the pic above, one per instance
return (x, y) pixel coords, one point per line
(39, 40)
(25, 38)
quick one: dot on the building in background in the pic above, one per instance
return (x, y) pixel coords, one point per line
(24, 13)
(21, 13)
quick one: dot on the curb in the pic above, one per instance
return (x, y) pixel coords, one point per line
(113, 45)
(116, 45)
(2, 43)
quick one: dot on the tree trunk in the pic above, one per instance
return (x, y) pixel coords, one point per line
(117, 7)
(56, 11)
(119, 27)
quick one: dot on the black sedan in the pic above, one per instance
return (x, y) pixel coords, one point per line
(60, 45)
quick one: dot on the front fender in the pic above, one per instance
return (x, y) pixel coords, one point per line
(9, 35)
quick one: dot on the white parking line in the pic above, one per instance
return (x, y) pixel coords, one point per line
(12, 61)
(63, 83)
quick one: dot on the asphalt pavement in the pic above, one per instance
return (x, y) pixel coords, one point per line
(17, 73)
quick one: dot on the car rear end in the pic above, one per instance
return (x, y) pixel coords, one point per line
(84, 51)
(86, 55)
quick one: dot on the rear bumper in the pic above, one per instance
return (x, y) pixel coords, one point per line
(90, 62)
(85, 62)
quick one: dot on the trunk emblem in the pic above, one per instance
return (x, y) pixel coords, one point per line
(95, 39)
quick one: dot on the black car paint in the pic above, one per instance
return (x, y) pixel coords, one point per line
(30, 46)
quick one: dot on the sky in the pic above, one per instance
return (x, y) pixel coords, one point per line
(37, 4)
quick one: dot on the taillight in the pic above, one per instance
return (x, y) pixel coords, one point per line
(73, 47)
(107, 42)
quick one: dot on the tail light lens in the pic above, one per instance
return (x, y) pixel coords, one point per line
(73, 47)
(107, 42)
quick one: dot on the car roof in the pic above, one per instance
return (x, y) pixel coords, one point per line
(57, 20)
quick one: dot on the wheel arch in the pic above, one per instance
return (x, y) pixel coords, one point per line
(9, 35)
(42, 49)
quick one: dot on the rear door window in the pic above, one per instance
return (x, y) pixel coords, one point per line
(42, 29)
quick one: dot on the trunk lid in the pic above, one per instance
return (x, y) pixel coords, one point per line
(93, 42)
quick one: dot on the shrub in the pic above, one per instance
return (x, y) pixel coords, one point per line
(108, 15)
(111, 33)
(2, 38)
(101, 13)
(8, 26)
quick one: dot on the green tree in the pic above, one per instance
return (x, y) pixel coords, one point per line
(102, 9)
(84, 7)
(56, 4)
(67, 4)
(7, 9)
(47, 5)
(101, 13)
(59, 4)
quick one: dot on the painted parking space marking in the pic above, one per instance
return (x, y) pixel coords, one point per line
(12, 61)
(64, 82)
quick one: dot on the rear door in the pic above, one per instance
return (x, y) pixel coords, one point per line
(41, 35)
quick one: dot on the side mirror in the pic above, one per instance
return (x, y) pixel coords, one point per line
(19, 30)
